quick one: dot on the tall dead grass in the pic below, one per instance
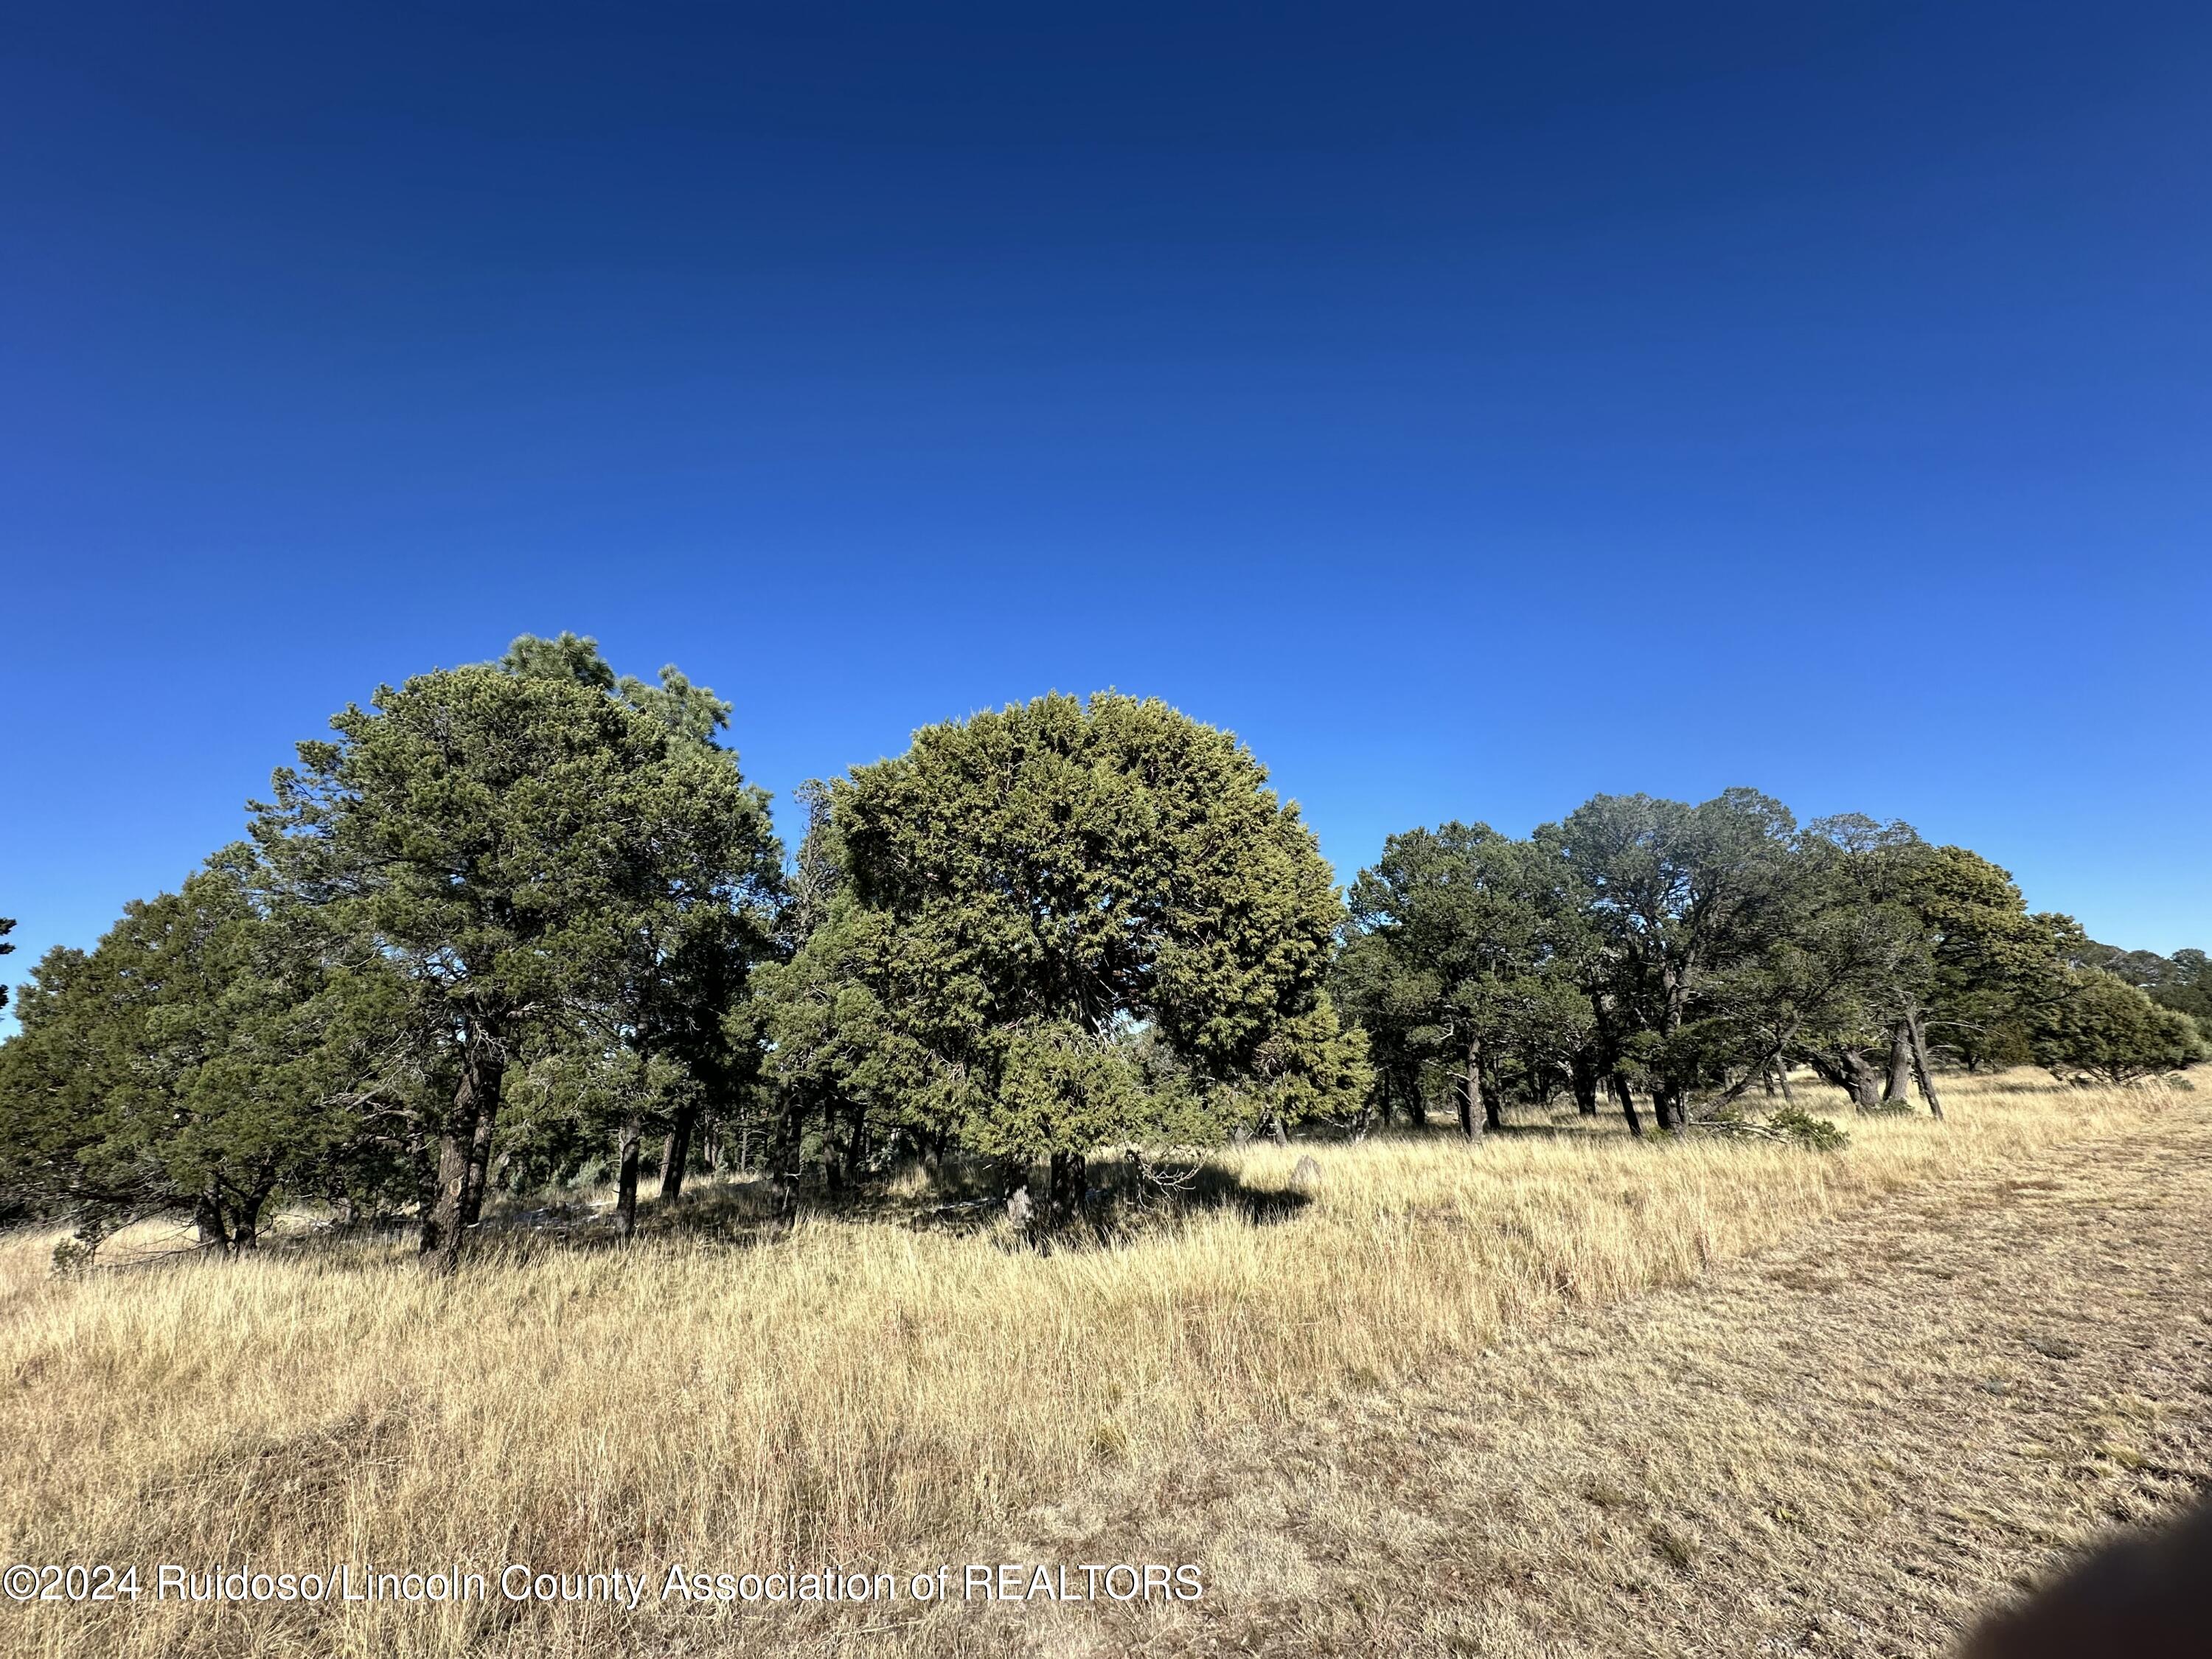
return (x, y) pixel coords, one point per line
(863, 1392)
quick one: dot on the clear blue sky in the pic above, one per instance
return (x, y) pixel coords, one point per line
(1473, 407)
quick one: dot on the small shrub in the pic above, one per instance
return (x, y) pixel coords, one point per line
(1802, 1127)
(74, 1255)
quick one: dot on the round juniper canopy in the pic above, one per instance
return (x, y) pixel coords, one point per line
(1067, 923)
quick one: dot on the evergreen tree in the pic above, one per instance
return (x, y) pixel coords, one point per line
(1675, 895)
(204, 1056)
(1031, 889)
(2103, 1028)
(524, 848)
(686, 962)
(2186, 987)
(1463, 957)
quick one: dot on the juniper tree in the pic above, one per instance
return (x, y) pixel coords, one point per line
(1462, 954)
(204, 1055)
(1039, 883)
(2186, 987)
(1675, 894)
(2102, 1026)
(1996, 965)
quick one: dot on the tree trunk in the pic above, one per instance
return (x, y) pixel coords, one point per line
(1921, 1068)
(1898, 1089)
(676, 1152)
(833, 1163)
(465, 1150)
(207, 1217)
(1276, 1131)
(245, 1234)
(441, 1218)
(1863, 1080)
(1850, 1071)
(1667, 1095)
(783, 1158)
(856, 1145)
(1582, 1077)
(489, 1069)
(1014, 1181)
(626, 1144)
(1473, 1116)
(1064, 1199)
(1627, 1100)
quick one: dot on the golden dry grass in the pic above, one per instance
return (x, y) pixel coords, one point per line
(1856, 1442)
(863, 1392)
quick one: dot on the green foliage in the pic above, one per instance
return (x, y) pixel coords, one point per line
(691, 944)
(690, 711)
(1693, 951)
(1466, 948)
(1675, 894)
(501, 835)
(75, 1256)
(1032, 895)
(1042, 930)
(2182, 983)
(553, 863)
(2103, 1027)
(1817, 1133)
(208, 1053)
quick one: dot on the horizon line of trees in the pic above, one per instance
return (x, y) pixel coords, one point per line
(1692, 954)
(522, 922)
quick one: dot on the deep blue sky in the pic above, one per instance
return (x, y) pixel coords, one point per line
(1474, 408)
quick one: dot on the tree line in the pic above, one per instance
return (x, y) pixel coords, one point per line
(519, 922)
(1692, 954)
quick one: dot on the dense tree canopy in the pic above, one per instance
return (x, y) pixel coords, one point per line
(2103, 1028)
(201, 1057)
(532, 852)
(1690, 953)
(690, 946)
(1066, 924)
(1467, 948)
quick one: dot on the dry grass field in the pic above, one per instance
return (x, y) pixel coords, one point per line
(1564, 1393)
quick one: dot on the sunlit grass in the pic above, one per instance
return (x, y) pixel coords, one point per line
(865, 1390)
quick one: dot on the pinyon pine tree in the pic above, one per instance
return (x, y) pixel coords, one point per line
(522, 847)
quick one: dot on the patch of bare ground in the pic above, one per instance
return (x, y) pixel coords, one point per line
(1852, 1442)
